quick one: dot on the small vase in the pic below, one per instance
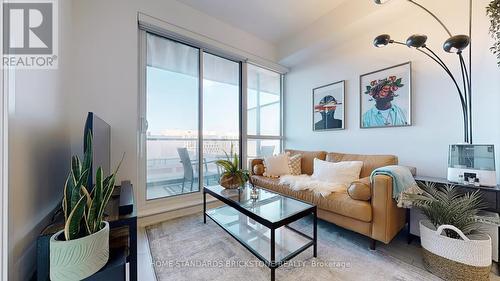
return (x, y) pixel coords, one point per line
(79, 258)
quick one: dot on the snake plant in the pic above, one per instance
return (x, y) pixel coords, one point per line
(231, 168)
(84, 210)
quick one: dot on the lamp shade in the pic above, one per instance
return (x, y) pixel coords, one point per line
(456, 43)
(382, 40)
(416, 41)
(380, 2)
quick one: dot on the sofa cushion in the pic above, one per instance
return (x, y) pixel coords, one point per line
(338, 202)
(370, 162)
(344, 172)
(360, 189)
(341, 203)
(276, 165)
(307, 159)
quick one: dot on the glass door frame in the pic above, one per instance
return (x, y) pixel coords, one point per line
(160, 205)
(244, 109)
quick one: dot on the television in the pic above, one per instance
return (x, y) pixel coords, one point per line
(101, 146)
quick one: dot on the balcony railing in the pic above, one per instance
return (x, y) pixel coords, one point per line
(171, 172)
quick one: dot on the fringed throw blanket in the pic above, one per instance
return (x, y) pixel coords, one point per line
(306, 182)
(403, 183)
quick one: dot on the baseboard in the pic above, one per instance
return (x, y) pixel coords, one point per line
(177, 213)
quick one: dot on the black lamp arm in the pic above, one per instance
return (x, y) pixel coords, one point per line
(439, 61)
(461, 95)
(465, 78)
(469, 91)
(437, 57)
(432, 14)
(465, 90)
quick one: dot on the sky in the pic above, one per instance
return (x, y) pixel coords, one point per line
(172, 106)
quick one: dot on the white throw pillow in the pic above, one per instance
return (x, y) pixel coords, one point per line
(337, 172)
(276, 166)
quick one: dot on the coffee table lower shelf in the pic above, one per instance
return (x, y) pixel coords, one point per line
(272, 246)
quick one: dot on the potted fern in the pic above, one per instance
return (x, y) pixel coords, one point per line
(232, 176)
(82, 247)
(452, 243)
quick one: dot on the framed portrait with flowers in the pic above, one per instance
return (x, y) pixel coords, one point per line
(328, 107)
(385, 97)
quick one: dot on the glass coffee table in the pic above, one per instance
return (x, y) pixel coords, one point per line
(262, 225)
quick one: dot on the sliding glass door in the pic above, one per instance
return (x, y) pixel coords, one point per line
(188, 91)
(221, 113)
(172, 140)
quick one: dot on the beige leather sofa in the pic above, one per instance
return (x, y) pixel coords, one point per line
(366, 208)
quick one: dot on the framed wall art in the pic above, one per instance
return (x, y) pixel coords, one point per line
(385, 97)
(329, 107)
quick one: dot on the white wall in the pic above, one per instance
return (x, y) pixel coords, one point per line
(105, 71)
(437, 115)
(39, 152)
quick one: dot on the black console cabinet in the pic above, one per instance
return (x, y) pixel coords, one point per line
(490, 195)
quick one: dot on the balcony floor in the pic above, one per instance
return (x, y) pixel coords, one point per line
(159, 190)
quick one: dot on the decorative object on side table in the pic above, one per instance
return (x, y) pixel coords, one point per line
(452, 244)
(385, 97)
(493, 11)
(454, 44)
(82, 248)
(472, 164)
(232, 176)
(328, 107)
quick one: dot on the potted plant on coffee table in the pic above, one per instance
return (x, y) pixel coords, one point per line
(232, 176)
(453, 246)
(82, 247)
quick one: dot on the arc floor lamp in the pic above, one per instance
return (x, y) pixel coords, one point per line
(454, 44)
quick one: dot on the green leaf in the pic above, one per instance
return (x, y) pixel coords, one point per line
(69, 187)
(76, 166)
(446, 205)
(108, 188)
(87, 159)
(72, 226)
(236, 161)
(74, 193)
(225, 164)
(96, 203)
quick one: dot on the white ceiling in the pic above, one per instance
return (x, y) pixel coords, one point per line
(271, 20)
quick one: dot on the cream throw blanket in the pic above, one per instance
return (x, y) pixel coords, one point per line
(305, 182)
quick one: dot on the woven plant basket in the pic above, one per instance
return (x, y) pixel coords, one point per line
(455, 259)
(230, 182)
